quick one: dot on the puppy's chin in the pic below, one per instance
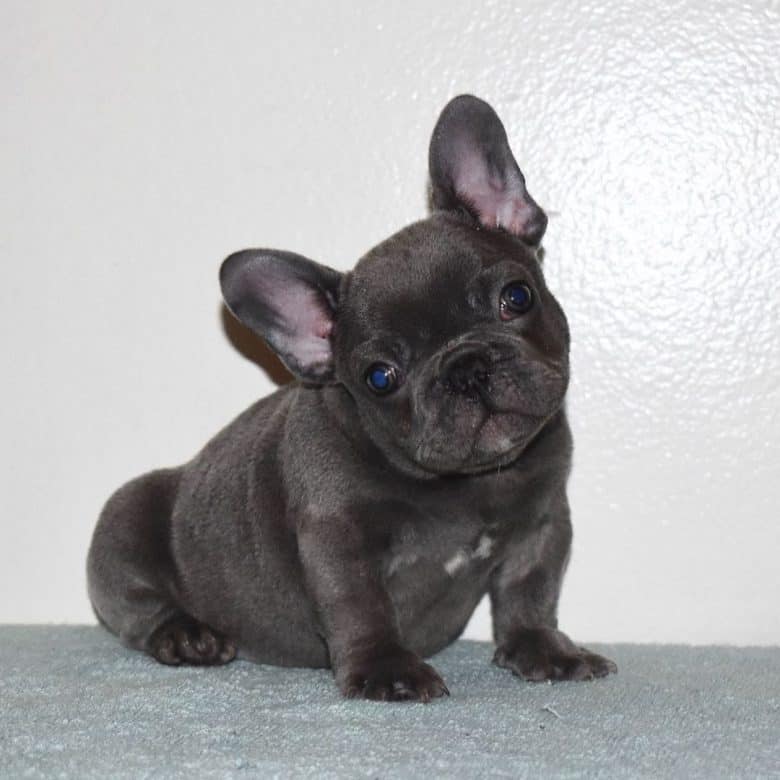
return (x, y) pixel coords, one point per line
(499, 439)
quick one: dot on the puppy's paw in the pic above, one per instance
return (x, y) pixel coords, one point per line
(396, 676)
(184, 640)
(546, 654)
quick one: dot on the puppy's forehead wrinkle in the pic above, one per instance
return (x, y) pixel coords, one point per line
(425, 318)
(430, 266)
(428, 302)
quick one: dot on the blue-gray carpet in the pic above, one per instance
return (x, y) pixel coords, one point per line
(74, 703)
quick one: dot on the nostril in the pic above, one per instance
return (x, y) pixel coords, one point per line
(467, 372)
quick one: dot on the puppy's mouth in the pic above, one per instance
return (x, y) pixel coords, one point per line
(491, 445)
(485, 418)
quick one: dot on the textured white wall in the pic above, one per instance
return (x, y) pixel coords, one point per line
(139, 146)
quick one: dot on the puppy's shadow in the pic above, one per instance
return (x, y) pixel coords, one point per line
(253, 348)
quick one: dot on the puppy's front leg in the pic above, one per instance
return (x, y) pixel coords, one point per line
(524, 594)
(358, 617)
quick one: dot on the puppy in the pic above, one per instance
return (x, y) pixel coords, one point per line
(354, 518)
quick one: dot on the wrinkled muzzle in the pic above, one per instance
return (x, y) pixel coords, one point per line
(478, 403)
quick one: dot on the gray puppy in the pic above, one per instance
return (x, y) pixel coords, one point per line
(355, 518)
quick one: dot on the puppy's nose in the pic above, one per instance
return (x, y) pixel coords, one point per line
(466, 371)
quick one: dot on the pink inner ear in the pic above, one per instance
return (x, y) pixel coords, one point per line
(514, 215)
(302, 315)
(307, 324)
(497, 204)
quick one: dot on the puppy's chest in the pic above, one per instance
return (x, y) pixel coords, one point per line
(443, 548)
(443, 545)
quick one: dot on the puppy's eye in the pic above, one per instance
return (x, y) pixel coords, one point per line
(381, 378)
(516, 298)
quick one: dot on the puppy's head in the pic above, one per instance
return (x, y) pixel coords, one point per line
(445, 335)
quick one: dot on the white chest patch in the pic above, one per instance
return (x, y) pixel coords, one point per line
(401, 560)
(457, 562)
(463, 557)
(484, 547)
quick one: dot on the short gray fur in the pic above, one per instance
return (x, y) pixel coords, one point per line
(73, 704)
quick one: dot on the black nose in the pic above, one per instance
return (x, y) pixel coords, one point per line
(466, 372)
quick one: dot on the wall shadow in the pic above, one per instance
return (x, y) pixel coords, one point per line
(253, 348)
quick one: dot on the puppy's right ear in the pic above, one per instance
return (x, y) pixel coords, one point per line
(288, 300)
(473, 168)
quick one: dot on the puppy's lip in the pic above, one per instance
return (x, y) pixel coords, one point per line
(493, 460)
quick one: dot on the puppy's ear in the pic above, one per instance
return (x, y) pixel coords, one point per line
(472, 167)
(290, 301)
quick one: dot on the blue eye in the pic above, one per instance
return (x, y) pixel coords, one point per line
(516, 298)
(381, 378)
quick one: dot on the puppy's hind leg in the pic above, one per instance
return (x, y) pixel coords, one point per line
(131, 576)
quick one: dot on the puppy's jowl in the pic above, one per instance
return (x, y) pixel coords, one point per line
(355, 517)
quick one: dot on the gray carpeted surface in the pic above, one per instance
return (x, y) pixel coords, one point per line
(74, 703)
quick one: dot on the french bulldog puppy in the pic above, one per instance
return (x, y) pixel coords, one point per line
(354, 518)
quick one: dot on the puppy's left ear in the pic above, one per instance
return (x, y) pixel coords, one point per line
(472, 167)
(290, 301)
